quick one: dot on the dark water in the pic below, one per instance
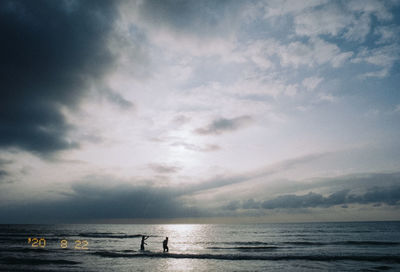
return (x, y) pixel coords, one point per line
(362, 246)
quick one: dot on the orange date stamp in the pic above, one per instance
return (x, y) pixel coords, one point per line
(42, 243)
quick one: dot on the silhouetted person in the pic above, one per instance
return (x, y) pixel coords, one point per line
(165, 245)
(143, 243)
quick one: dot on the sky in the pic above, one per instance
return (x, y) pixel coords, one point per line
(199, 111)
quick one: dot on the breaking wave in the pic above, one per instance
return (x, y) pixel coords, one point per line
(34, 261)
(108, 235)
(148, 254)
(247, 248)
(366, 243)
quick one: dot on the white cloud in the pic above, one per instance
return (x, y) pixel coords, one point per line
(326, 97)
(351, 21)
(382, 57)
(374, 7)
(279, 7)
(295, 54)
(195, 28)
(359, 28)
(315, 52)
(311, 82)
(397, 109)
(271, 86)
(387, 34)
(329, 20)
(379, 74)
(333, 21)
(291, 90)
(259, 51)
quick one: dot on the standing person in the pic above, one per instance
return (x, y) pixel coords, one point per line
(142, 243)
(165, 245)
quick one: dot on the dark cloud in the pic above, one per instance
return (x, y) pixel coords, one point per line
(206, 148)
(164, 169)
(233, 205)
(180, 120)
(344, 188)
(5, 162)
(294, 201)
(3, 172)
(90, 201)
(49, 52)
(223, 125)
(116, 98)
(210, 147)
(156, 140)
(343, 183)
(95, 198)
(379, 195)
(202, 18)
(250, 204)
(376, 195)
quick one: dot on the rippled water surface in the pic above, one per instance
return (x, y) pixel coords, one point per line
(363, 246)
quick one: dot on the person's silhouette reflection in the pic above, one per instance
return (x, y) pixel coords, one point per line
(165, 245)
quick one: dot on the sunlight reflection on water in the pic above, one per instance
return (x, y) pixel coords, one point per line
(184, 238)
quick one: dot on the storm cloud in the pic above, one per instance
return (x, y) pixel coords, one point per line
(3, 172)
(50, 51)
(107, 197)
(360, 189)
(376, 195)
(201, 18)
(90, 201)
(163, 168)
(223, 125)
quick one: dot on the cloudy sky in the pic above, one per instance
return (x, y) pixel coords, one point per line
(199, 111)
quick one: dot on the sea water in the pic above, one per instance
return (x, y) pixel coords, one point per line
(361, 246)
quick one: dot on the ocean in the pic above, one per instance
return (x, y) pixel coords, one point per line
(359, 246)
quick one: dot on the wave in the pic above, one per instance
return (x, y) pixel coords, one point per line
(367, 243)
(247, 248)
(378, 243)
(307, 243)
(25, 250)
(13, 234)
(108, 235)
(250, 243)
(148, 254)
(32, 261)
